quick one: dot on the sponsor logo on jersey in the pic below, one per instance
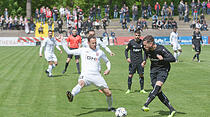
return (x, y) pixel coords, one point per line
(91, 58)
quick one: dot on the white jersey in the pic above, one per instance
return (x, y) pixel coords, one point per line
(174, 38)
(98, 42)
(49, 45)
(90, 59)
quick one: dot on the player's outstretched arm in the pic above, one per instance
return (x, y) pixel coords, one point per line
(166, 56)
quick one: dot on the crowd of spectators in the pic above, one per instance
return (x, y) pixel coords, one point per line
(162, 18)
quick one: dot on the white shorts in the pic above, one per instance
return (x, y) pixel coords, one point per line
(177, 47)
(96, 80)
(50, 57)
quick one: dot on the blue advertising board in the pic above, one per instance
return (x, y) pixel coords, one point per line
(185, 40)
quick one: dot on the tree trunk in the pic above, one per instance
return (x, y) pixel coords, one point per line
(28, 8)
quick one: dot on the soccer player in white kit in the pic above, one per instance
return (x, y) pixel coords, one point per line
(174, 40)
(90, 72)
(48, 45)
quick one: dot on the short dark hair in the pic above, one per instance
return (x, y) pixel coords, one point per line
(149, 38)
(50, 31)
(91, 37)
(138, 31)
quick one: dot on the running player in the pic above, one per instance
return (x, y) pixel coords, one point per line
(196, 43)
(74, 42)
(160, 59)
(90, 74)
(48, 45)
(135, 46)
(174, 40)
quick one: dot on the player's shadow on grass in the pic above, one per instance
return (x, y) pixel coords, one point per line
(164, 113)
(93, 110)
(94, 90)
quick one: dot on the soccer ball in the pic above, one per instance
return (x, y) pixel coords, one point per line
(120, 112)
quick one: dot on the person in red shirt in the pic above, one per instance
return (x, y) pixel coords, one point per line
(74, 41)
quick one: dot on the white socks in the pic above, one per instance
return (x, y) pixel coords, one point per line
(50, 69)
(76, 90)
(109, 101)
(175, 55)
(179, 53)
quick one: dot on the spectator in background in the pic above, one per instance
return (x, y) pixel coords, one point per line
(154, 21)
(55, 14)
(26, 26)
(62, 12)
(60, 24)
(208, 7)
(204, 7)
(115, 11)
(193, 5)
(50, 23)
(124, 24)
(157, 8)
(32, 25)
(174, 24)
(181, 10)
(121, 14)
(106, 37)
(135, 12)
(48, 14)
(127, 15)
(99, 12)
(172, 8)
(204, 26)
(131, 28)
(6, 14)
(113, 37)
(202, 18)
(199, 5)
(94, 11)
(37, 15)
(186, 13)
(149, 10)
(195, 14)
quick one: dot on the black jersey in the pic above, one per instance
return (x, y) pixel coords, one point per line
(135, 51)
(157, 64)
(197, 38)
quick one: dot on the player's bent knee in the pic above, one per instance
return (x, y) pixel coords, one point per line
(81, 83)
(159, 83)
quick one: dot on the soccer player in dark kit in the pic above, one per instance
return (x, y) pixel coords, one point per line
(135, 46)
(160, 59)
(196, 43)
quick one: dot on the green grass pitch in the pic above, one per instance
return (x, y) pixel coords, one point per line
(26, 91)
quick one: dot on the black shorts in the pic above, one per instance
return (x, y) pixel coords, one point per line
(197, 48)
(136, 67)
(158, 76)
(71, 55)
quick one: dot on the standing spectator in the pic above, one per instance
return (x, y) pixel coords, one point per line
(62, 12)
(50, 23)
(186, 12)
(21, 23)
(115, 11)
(193, 5)
(127, 15)
(204, 7)
(157, 8)
(42, 13)
(37, 15)
(99, 12)
(107, 10)
(208, 7)
(172, 8)
(91, 14)
(199, 6)
(55, 14)
(60, 24)
(26, 26)
(113, 37)
(165, 5)
(181, 10)
(149, 10)
(121, 14)
(195, 14)
(31, 24)
(94, 11)
(135, 12)
(48, 14)
(6, 14)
